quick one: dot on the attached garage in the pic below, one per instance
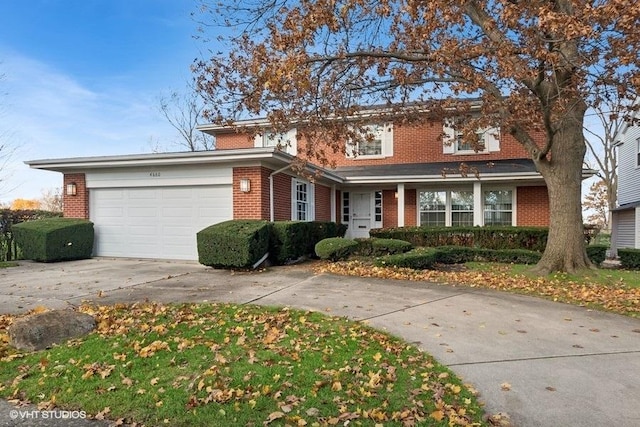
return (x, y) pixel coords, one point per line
(158, 222)
(153, 205)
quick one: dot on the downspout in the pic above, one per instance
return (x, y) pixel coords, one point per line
(271, 212)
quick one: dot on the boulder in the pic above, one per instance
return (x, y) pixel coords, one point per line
(42, 330)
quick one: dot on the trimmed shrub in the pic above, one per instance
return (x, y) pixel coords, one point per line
(55, 239)
(390, 246)
(335, 248)
(289, 241)
(597, 253)
(417, 259)
(530, 238)
(323, 230)
(380, 247)
(629, 258)
(8, 218)
(461, 254)
(233, 244)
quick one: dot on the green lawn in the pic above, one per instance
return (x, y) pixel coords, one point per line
(221, 365)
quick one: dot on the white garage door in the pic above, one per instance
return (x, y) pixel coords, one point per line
(156, 222)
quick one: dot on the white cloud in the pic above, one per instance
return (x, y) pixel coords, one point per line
(50, 114)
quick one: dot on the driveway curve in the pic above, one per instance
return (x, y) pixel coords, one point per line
(541, 363)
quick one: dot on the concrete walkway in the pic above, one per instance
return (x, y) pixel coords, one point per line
(542, 363)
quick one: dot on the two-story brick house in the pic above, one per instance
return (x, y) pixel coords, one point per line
(625, 227)
(151, 205)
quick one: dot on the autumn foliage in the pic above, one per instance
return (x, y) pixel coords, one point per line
(536, 66)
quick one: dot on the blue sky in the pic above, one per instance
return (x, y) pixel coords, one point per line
(83, 78)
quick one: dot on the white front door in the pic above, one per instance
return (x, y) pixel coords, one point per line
(361, 214)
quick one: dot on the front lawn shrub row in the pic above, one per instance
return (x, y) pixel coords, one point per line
(530, 238)
(417, 259)
(629, 258)
(335, 248)
(426, 258)
(379, 247)
(55, 239)
(242, 243)
(291, 240)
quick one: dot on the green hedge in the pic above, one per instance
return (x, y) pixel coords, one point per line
(418, 259)
(379, 247)
(233, 244)
(291, 240)
(8, 218)
(530, 238)
(597, 253)
(242, 243)
(56, 239)
(629, 258)
(335, 248)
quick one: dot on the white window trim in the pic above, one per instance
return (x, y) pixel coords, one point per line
(478, 191)
(287, 142)
(491, 138)
(311, 206)
(514, 202)
(385, 133)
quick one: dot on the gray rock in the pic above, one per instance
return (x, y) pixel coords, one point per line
(42, 330)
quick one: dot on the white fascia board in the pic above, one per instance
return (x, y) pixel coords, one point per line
(158, 159)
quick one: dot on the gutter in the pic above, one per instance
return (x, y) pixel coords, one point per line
(271, 211)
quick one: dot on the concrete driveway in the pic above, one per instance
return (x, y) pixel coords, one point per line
(542, 363)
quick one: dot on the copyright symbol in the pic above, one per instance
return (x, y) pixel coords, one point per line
(13, 414)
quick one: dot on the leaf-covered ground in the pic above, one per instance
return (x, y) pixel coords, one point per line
(221, 365)
(616, 296)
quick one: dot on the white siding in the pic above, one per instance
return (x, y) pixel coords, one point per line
(160, 176)
(626, 230)
(628, 170)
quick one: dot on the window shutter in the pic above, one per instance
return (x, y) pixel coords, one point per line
(492, 139)
(257, 140)
(292, 142)
(449, 137)
(387, 140)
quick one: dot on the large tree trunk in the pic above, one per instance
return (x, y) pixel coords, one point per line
(566, 248)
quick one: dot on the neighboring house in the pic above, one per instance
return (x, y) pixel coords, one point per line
(152, 205)
(625, 228)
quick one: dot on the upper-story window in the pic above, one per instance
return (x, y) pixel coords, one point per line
(376, 143)
(286, 141)
(488, 140)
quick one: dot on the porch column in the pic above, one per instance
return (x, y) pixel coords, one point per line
(477, 204)
(400, 191)
(332, 203)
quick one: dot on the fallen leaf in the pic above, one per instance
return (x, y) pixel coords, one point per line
(505, 386)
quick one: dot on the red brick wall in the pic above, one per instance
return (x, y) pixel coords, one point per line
(389, 208)
(323, 203)
(411, 144)
(532, 206)
(255, 203)
(410, 207)
(282, 196)
(76, 206)
(228, 141)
